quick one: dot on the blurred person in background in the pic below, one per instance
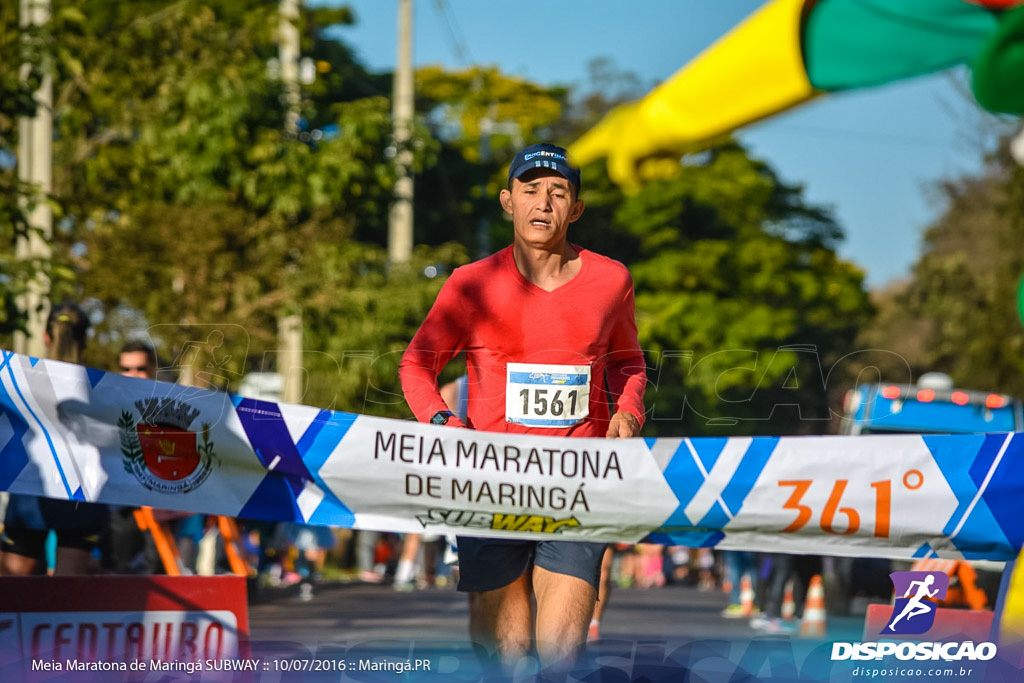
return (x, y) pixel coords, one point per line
(137, 359)
(416, 547)
(739, 564)
(131, 551)
(786, 567)
(28, 520)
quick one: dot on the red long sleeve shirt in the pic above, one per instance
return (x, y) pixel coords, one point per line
(491, 312)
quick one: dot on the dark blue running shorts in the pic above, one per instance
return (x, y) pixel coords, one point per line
(29, 518)
(486, 564)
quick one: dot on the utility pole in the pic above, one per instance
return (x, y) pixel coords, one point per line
(400, 216)
(289, 326)
(288, 56)
(35, 166)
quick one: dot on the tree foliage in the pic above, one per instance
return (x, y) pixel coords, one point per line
(366, 313)
(191, 214)
(187, 201)
(468, 105)
(742, 303)
(958, 314)
(481, 118)
(23, 60)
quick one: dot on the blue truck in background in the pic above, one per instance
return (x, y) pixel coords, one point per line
(934, 405)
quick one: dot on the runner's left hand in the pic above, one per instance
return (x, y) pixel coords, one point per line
(624, 425)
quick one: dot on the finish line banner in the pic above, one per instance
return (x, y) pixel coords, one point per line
(71, 432)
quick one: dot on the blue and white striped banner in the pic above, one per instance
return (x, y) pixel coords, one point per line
(71, 432)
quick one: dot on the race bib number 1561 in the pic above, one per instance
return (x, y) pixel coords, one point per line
(547, 395)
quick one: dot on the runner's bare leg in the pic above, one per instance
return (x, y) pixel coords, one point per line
(565, 605)
(506, 615)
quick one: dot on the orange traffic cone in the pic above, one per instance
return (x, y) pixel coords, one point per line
(788, 604)
(747, 595)
(813, 625)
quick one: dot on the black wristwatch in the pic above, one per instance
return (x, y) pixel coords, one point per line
(441, 417)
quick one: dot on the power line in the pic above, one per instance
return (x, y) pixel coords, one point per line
(454, 33)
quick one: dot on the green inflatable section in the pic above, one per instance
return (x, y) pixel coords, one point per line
(1020, 300)
(855, 43)
(998, 75)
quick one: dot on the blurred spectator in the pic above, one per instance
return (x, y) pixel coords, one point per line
(137, 359)
(311, 544)
(705, 569)
(784, 567)
(677, 564)
(29, 519)
(650, 568)
(418, 552)
(625, 573)
(370, 570)
(738, 563)
(405, 573)
(604, 592)
(131, 551)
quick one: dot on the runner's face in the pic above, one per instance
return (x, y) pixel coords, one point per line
(542, 206)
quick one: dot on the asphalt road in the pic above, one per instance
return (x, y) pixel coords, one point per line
(668, 628)
(358, 611)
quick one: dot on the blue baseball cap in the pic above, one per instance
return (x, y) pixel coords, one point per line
(544, 155)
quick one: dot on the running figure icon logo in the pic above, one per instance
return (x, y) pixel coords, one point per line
(916, 596)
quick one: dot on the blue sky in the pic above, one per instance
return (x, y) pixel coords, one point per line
(871, 155)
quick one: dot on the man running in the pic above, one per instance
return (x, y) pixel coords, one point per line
(915, 606)
(540, 310)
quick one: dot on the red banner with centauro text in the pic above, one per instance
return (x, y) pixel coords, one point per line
(52, 627)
